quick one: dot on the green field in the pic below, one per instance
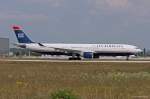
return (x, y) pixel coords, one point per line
(37, 80)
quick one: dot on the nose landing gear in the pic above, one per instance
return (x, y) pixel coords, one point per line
(127, 58)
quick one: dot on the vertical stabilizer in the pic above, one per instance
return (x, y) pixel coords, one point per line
(21, 36)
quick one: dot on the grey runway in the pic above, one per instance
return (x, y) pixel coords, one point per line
(75, 61)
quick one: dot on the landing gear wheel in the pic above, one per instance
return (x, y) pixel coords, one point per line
(74, 58)
(78, 58)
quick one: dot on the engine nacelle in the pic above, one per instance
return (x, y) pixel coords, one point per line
(88, 55)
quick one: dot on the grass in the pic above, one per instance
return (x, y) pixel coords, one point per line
(37, 80)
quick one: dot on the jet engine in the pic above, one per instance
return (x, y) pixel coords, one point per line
(88, 55)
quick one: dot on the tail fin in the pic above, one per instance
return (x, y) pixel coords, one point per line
(21, 36)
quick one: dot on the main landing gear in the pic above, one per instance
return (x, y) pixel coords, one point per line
(75, 57)
(127, 58)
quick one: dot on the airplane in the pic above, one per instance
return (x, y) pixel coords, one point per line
(74, 51)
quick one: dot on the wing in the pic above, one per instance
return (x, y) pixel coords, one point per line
(69, 50)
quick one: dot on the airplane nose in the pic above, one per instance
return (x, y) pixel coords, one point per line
(139, 50)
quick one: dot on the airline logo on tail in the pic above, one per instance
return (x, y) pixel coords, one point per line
(21, 36)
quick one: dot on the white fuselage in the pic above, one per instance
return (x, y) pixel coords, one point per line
(95, 48)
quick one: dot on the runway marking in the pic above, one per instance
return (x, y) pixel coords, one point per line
(75, 61)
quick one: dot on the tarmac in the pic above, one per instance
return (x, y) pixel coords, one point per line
(76, 61)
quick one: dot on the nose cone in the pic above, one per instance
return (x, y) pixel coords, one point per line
(139, 50)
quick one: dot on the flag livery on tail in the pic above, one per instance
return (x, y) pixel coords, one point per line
(21, 36)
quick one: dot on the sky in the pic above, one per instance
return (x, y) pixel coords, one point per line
(78, 21)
